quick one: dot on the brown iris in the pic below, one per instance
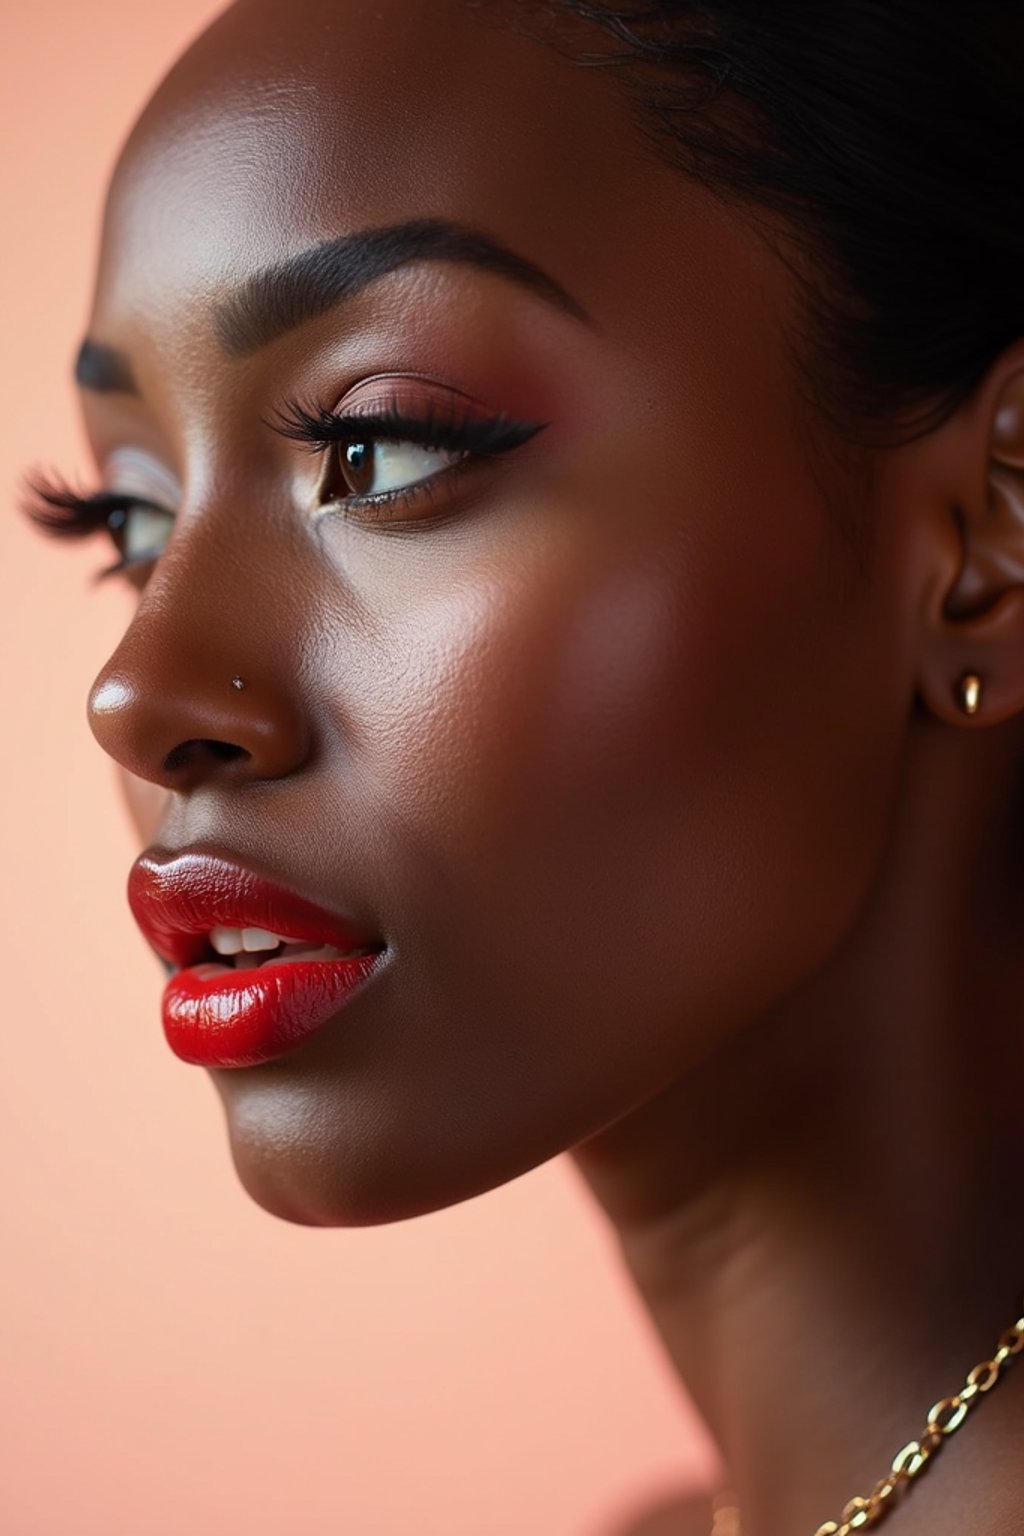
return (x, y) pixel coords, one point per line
(357, 466)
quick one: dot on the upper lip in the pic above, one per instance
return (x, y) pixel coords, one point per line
(176, 899)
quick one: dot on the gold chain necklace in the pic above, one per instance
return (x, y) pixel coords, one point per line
(946, 1416)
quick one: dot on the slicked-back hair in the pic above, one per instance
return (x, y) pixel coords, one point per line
(888, 134)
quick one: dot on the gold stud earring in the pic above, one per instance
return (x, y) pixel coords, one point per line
(969, 693)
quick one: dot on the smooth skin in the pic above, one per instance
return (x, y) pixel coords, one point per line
(687, 859)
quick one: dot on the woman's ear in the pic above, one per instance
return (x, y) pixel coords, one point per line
(976, 624)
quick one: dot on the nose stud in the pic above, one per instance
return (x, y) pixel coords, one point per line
(236, 682)
(969, 693)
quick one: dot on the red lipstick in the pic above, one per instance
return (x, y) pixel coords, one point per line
(251, 1005)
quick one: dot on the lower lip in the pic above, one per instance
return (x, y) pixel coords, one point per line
(227, 1018)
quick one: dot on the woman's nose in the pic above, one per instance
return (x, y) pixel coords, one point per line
(171, 707)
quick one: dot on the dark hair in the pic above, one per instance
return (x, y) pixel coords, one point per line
(890, 136)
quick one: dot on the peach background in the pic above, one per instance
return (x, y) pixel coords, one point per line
(173, 1358)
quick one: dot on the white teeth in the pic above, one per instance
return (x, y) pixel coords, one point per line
(226, 941)
(235, 941)
(259, 938)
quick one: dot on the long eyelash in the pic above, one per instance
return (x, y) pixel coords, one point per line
(62, 513)
(319, 428)
(58, 510)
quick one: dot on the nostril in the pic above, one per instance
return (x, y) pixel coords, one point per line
(193, 752)
(179, 726)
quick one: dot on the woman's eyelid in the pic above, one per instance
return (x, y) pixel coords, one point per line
(406, 394)
(138, 476)
(383, 404)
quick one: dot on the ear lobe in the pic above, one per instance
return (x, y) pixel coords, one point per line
(981, 627)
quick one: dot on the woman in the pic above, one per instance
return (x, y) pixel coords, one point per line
(571, 463)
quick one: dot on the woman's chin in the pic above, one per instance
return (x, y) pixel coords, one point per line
(292, 1187)
(319, 1163)
(302, 1174)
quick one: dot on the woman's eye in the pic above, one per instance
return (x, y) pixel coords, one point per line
(396, 455)
(376, 466)
(137, 527)
(140, 532)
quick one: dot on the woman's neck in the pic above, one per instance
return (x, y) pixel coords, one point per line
(823, 1219)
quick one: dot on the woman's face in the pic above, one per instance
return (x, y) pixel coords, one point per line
(590, 731)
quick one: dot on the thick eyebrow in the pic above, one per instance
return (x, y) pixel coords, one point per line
(307, 285)
(104, 369)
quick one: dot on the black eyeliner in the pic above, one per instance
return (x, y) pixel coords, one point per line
(319, 429)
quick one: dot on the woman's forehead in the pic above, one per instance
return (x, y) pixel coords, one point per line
(285, 125)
